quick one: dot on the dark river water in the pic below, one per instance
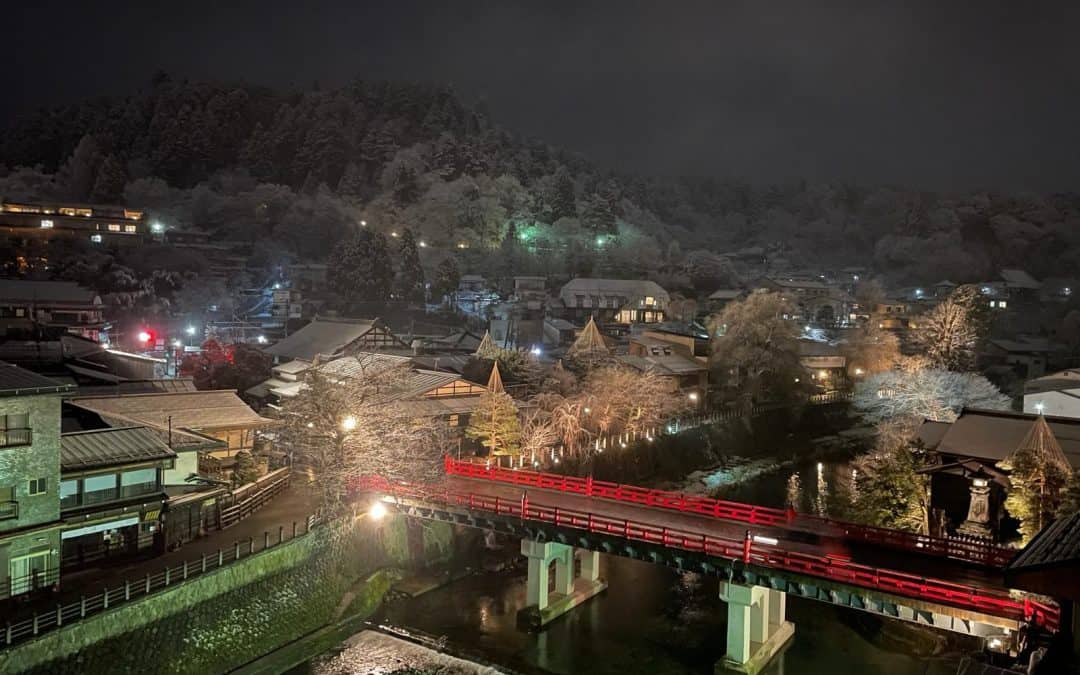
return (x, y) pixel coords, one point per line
(658, 621)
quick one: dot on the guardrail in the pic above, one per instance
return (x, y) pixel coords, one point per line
(967, 549)
(132, 589)
(996, 603)
(254, 498)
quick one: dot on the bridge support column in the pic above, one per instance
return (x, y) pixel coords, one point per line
(757, 627)
(546, 604)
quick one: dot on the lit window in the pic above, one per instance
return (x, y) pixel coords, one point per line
(649, 300)
(96, 238)
(37, 486)
(46, 224)
(130, 229)
(1001, 304)
(455, 420)
(114, 227)
(132, 215)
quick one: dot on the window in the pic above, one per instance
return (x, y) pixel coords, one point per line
(14, 429)
(649, 301)
(9, 508)
(69, 493)
(46, 224)
(455, 420)
(37, 486)
(29, 572)
(98, 489)
(130, 229)
(138, 482)
(96, 238)
(71, 211)
(1001, 304)
(114, 227)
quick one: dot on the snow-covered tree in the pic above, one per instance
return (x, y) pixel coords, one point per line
(889, 489)
(495, 424)
(948, 335)
(348, 426)
(752, 337)
(925, 394)
(871, 350)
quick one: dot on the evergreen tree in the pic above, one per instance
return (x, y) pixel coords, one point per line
(80, 172)
(406, 188)
(599, 216)
(411, 273)
(1040, 475)
(258, 153)
(360, 268)
(110, 181)
(447, 278)
(352, 181)
(495, 424)
(562, 200)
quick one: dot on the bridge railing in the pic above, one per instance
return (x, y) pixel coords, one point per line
(990, 601)
(968, 549)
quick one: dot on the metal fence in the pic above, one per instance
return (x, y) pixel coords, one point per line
(112, 595)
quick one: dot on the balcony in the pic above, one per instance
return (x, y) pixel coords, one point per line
(14, 437)
(9, 510)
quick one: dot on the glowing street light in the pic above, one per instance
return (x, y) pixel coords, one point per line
(1040, 407)
(422, 244)
(190, 330)
(261, 339)
(177, 343)
(859, 371)
(394, 233)
(377, 511)
(156, 227)
(693, 396)
(349, 423)
(536, 351)
(363, 223)
(143, 336)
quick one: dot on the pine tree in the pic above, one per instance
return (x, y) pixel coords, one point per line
(406, 188)
(447, 278)
(562, 200)
(110, 180)
(411, 273)
(81, 170)
(352, 181)
(360, 269)
(258, 153)
(1040, 475)
(495, 424)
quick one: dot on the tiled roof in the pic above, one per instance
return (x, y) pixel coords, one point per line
(182, 384)
(1057, 544)
(321, 336)
(203, 410)
(1019, 279)
(628, 287)
(16, 381)
(673, 364)
(993, 435)
(109, 447)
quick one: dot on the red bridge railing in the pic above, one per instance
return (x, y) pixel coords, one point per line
(989, 601)
(967, 549)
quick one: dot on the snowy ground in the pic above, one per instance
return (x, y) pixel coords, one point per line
(373, 653)
(734, 471)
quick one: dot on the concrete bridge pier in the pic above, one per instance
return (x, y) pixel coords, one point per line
(757, 627)
(576, 579)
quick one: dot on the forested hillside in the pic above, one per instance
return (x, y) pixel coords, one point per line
(294, 172)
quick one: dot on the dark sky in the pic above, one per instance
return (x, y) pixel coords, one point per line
(967, 94)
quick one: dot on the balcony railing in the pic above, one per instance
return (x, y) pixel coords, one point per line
(9, 510)
(13, 437)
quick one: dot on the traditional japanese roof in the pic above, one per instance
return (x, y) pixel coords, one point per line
(673, 364)
(292, 367)
(202, 410)
(110, 447)
(362, 363)
(1024, 345)
(1015, 278)
(631, 288)
(180, 384)
(726, 294)
(323, 336)
(61, 292)
(591, 341)
(1057, 544)
(16, 381)
(993, 435)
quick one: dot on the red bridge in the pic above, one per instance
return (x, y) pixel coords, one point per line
(956, 584)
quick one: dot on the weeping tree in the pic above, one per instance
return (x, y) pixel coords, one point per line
(1040, 477)
(352, 418)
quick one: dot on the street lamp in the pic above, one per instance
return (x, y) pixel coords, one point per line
(190, 330)
(377, 511)
(693, 396)
(349, 423)
(1039, 407)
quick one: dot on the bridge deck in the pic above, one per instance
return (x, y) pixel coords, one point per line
(803, 538)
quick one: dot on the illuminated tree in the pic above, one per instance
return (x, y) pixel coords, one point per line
(925, 394)
(890, 490)
(871, 350)
(343, 427)
(1039, 474)
(752, 338)
(622, 399)
(948, 335)
(495, 424)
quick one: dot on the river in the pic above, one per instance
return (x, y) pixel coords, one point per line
(655, 620)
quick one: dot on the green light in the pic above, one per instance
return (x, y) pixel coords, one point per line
(599, 241)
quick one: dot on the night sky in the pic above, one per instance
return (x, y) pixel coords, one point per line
(972, 94)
